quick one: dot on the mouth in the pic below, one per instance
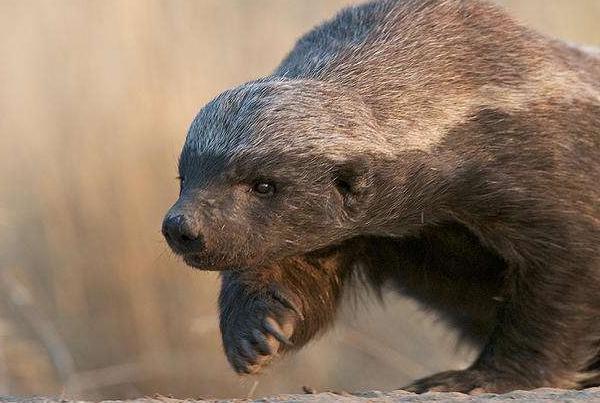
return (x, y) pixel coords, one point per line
(205, 264)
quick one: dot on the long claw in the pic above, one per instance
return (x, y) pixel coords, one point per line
(286, 302)
(262, 343)
(273, 327)
(412, 388)
(248, 352)
(239, 366)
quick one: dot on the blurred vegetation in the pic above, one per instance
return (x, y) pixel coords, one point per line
(95, 100)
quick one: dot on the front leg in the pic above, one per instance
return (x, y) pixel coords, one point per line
(269, 310)
(255, 322)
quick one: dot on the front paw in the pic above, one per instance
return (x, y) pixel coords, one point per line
(256, 327)
(471, 381)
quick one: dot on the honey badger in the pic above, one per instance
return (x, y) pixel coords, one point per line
(436, 146)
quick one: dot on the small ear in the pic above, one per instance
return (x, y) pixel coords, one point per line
(352, 178)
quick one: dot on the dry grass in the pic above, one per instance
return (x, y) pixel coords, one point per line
(95, 98)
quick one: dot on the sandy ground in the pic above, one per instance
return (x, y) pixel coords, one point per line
(540, 395)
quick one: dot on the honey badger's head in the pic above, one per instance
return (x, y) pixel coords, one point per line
(271, 169)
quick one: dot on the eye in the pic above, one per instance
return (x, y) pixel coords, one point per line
(264, 188)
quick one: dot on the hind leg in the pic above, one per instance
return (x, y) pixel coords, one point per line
(544, 334)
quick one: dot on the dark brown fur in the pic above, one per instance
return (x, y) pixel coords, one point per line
(433, 145)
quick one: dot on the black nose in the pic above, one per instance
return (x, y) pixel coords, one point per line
(182, 235)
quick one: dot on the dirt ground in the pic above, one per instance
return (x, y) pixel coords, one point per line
(539, 395)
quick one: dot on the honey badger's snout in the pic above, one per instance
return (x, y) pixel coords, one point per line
(182, 232)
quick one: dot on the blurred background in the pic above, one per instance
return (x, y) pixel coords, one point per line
(95, 100)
